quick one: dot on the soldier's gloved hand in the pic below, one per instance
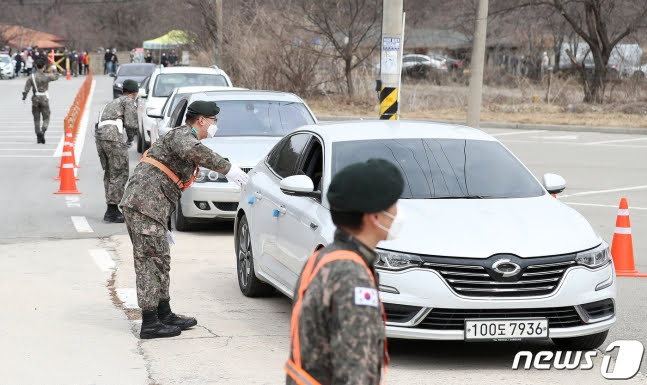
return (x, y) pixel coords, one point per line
(237, 175)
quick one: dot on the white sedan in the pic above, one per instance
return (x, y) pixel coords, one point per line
(486, 253)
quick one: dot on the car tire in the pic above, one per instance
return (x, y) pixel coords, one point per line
(248, 283)
(589, 342)
(180, 222)
(140, 146)
(145, 145)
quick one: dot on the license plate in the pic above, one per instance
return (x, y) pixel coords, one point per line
(506, 329)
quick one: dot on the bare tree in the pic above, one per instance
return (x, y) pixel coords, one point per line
(351, 27)
(602, 24)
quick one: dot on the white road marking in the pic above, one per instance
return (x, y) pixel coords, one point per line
(103, 260)
(23, 131)
(81, 224)
(572, 143)
(128, 296)
(604, 191)
(25, 156)
(599, 205)
(25, 149)
(516, 133)
(615, 141)
(73, 201)
(558, 137)
(26, 143)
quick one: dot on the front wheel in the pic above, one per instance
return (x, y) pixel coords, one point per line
(180, 222)
(589, 342)
(249, 284)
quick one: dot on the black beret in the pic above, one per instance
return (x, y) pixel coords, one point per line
(130, 86)
(205, 108)
(368, 187)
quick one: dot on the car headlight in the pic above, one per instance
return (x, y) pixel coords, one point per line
(393, 260)
(206, 175)
(119, 85)
(594, 258)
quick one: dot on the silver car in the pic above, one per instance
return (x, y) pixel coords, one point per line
(250, 123)
(161, 125)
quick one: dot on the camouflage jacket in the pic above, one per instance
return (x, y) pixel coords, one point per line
(123, 108)
(42, 83)
(342, 338)
(150, 191)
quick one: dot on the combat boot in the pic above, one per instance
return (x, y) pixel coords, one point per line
(40, 138)
(113, 214)
(169, 318)
(153, 328)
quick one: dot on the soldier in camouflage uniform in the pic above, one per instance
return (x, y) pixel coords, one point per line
(40, 100)
(152, 193)
(338, 322)
(113, 152)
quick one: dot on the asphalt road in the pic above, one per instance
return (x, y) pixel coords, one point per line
(65, 283)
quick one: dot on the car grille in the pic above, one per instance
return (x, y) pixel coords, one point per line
(226, 206)
(454, 319)
(246, 170)
(536, 277)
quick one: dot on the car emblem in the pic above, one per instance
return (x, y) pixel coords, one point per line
(506, 268)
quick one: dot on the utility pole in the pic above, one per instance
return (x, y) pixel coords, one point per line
(390, 58)
(475, 94)
(217, 60)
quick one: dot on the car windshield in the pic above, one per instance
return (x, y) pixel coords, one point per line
(134, 70)
(260, 117)
(445, 168)
(166, 83)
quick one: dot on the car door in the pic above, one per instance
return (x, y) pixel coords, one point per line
(300, 219)
(269, 210)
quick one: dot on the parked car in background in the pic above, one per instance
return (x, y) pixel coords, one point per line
(485, 254)
(7, 67)
(454, 64)
(417, 65)
(162, 124)
(134, 71)
(160, 85)
(250, 123)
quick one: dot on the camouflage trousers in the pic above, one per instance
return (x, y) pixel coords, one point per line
(114, 162)
(152, 258)
(40, 106)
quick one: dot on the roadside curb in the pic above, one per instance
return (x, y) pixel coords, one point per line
(521, 126)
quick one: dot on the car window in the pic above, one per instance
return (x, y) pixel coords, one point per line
(312, 164)
(134, 70)
(260, 117)
(176, 100)
(166, 83)
(445, 168)
(285, 160)
(178, 114)
(145, 83)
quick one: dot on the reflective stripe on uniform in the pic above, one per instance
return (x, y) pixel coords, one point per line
(293, 366)
(173, 176)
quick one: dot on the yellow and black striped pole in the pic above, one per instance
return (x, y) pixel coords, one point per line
(389, 103)
(391, 58)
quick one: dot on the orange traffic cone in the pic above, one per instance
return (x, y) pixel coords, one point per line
(67, 155)
(622, 249)
(68, 184)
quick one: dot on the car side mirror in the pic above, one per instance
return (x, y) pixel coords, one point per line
(113, 75)
(142, 93)
(554, 183)
(300, 186)
(154, 113)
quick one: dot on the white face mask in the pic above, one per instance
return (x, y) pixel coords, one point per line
(211, 131)
(396, 226)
